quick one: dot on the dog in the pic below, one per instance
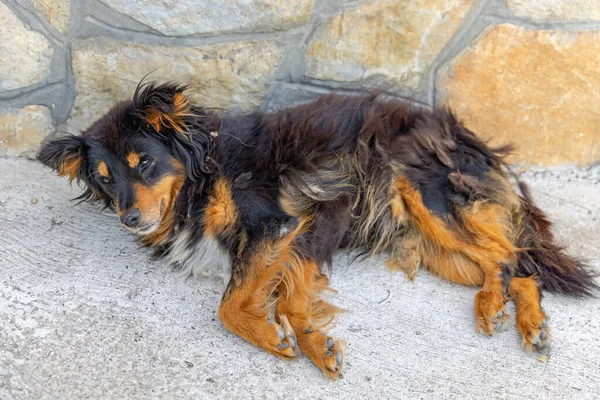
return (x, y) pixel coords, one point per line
(264, 200)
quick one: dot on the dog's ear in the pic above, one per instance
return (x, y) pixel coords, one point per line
(66, 155)
(183, 127)
(163, 106)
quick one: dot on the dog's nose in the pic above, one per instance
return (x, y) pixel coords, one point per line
(131, 218)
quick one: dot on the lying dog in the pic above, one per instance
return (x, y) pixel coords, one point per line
(266, 199)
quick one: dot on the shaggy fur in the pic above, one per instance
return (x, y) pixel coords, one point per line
(265, 200)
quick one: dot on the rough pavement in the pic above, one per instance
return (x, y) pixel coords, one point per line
(86, 313)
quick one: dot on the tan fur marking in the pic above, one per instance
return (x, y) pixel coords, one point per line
(70, 167)
(103, 169)
(158, 202)
(472, 256)
(440, 251)
(406, 256)
(487, 226)
(288, 205)
(430, 226)
(398, 208)
(220, 212)
(153, 117)
(133, 159)
(173, 120)
(181, 104)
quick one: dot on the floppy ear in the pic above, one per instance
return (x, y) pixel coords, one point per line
(66, 155)
(163, 106)
(182, 127)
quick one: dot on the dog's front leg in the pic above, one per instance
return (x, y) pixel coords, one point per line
(248, 310)
(273, 301)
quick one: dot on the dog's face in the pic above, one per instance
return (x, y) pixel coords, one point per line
(141, 180)
(136, 157)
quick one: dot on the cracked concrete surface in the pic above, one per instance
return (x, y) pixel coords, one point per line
(86, 313)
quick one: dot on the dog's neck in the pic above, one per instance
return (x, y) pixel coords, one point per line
(188, 193)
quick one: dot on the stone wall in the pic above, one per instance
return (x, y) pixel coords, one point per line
(520, 70)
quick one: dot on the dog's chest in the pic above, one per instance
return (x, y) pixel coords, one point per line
(200, 257)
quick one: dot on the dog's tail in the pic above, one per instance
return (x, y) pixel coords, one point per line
(541, 257)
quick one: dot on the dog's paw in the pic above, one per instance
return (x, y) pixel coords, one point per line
(536, 336)
(489, 311)
(333, 358)
(288, 344)
(489, 326)
(325, 352)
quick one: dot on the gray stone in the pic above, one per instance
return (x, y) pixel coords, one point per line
(563, 10)
(26, 55)
(232, 76)
(54, 11)
(502, 91)
(188, 17)
(385, 43)
(22, 130)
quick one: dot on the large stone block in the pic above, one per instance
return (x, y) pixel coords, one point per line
(54, 11)
(565, 10)
(538, 89)
(384, 42)
(22, 130)
(230, 76)
(26, 55)
(188, 17)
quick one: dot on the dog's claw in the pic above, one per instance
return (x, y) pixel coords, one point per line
(339, 357)
(330, 343)
(287, 338)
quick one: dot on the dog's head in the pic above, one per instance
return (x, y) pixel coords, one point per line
(137, 156)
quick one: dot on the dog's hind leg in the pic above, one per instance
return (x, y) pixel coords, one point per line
(474, 253)
(531, 320)
(490, 300)
(489, 227)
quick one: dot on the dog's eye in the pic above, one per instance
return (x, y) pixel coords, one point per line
(105, 180)
(145, 162)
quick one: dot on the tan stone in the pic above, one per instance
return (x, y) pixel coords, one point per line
(566, 10)
(388, 41)
(230, 76)
(538, 89)
(188, 17)
(54, 11)
(26, 55)
(22, 130)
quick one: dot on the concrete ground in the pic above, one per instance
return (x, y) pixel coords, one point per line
(86, 313)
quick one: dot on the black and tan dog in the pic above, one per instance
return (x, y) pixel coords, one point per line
(266, 199)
